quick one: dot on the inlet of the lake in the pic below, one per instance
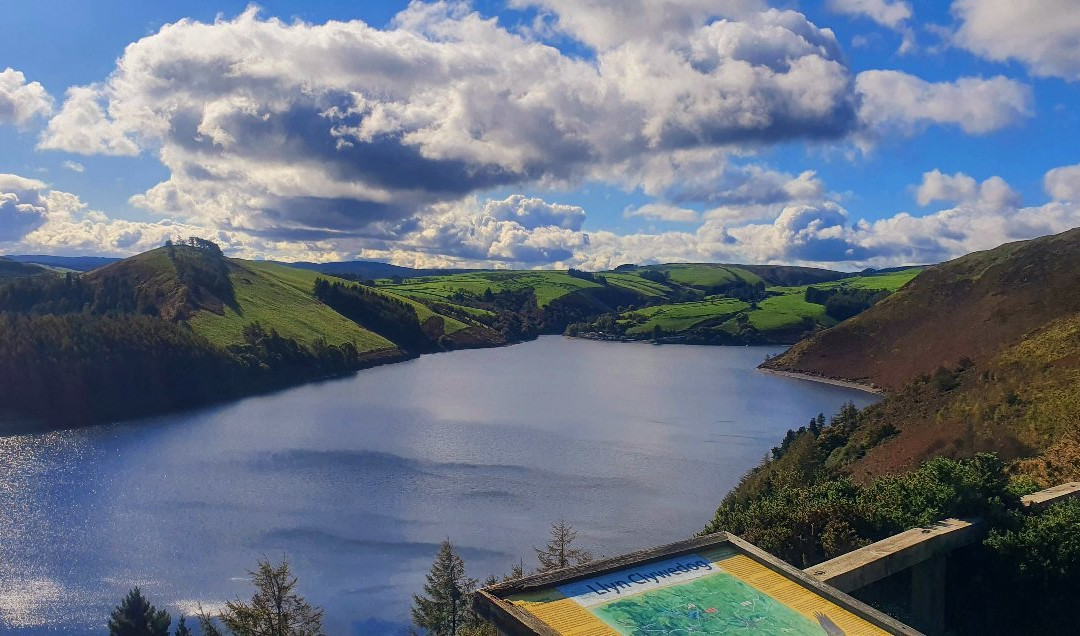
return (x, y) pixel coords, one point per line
(357, 480)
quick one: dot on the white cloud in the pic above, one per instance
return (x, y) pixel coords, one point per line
(663, 212)
(1063, 184)
(337, 130)
(890, 14)
(1043, 35)
(83, 127)
(896, 101)
(607, 24)
(74, 166)
(34, 218)
(20, 102)
(993, 193)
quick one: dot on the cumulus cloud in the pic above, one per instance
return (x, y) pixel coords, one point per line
(890, 14)
(1063, 184)
(83, 127)
(19, 101)
(38, 219)
(896, 101)
(662, 212)
(606, 24)
(515, 231)
(1044, 35)
(993, 193)
(344, 130)
(74, 166)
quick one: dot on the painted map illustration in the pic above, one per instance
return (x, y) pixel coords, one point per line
(719, 591)
(718, 604)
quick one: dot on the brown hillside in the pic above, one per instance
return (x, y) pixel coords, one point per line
(972, 307)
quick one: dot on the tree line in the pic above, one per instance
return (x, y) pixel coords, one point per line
(276, 609)
(445, 608)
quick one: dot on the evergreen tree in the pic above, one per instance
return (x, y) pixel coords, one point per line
(275, 609)
(182, 628)
(135, 616)
(560, 551)
(445, 608)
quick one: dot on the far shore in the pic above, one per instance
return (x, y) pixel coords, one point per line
(817, 378)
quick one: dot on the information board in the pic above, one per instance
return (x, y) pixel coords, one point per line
(718, 589)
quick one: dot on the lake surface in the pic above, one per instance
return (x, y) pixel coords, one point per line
(358, 480)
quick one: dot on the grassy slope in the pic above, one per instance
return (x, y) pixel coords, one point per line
(1012, 316)
(681, 316)
(548, 285)
(969, 307)
(785, 310)
(280, 298)
(705, 274)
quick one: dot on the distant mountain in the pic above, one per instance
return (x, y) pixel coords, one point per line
(14, 269)
(76, 263)
(370, 269)
(979, 353)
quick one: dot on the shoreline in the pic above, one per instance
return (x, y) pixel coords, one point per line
(848, 384)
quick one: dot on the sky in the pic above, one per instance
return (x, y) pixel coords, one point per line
(541, 133)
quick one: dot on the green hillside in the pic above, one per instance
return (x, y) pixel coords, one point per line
(12, 269)
(547, 285)
(746, 312)
(280, 298)
(979, 353)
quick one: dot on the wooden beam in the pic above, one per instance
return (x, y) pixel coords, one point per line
(1050, 496)
(864, 566)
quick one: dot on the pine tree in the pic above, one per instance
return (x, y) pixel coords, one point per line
(560, 552)
(135, 616)
(516, 571)
(182, 628)
(275, 609)
(445, 607)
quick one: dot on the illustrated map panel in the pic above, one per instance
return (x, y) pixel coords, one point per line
(717, 591)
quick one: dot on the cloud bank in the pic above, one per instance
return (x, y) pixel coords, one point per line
(20, 101)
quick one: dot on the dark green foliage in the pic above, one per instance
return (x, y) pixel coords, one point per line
(1022, 579)
(655, 275)
(200, 265)
(71, 293)
(391, 318)
(805, 521)
(445, 607)
(589, 276)
(182, 628)
(843, 302)
(82, 368)
(275, 608)
(135, 616)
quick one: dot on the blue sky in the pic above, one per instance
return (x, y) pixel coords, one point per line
(735, 130)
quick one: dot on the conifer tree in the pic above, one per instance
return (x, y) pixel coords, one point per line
(445, 608)
(182, 628)
(135, 616)
(275, 609)
(560, 551)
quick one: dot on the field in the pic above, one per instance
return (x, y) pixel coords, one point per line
(547, 285)
(784, 310)
(281, 298)
(705, 274)
(680, 316)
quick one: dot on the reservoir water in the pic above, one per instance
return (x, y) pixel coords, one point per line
(358, 480)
